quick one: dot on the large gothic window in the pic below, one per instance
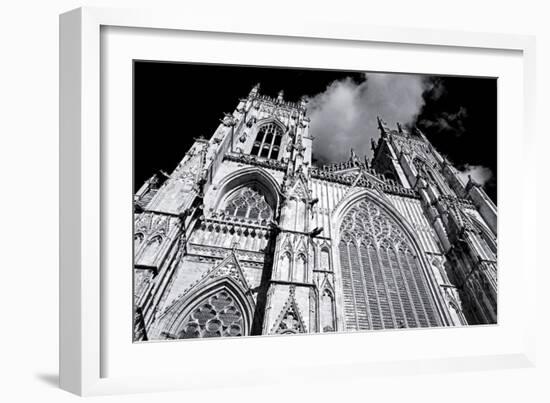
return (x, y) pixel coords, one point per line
(268, 141)
(217, 316)
(383, 283)
(248, 202)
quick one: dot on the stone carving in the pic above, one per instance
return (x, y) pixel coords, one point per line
(151, 224)
(367, 222)
(331, 248)
(289, 320)
(218, 316)
(249, 203)
(252, 160)
(384, 285)
(142, 280)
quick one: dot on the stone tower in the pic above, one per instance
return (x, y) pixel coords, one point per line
(246, 237)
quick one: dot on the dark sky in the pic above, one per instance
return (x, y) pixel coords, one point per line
(175, 102)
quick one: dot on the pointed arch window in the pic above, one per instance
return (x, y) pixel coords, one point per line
(300, 269)
(138, 239)
(218, 315)
(383, 283)
(325, 260)
(487, 240)
(327, 312)
(150, 250)
(284, 267)
(268, 141)
(248, 202)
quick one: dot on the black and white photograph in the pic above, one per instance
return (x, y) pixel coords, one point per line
(282, 201)
(243, 201)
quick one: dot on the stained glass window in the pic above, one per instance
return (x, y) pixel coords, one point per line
(383, 283)
(248, 203)
(268, 141)
(217, 316)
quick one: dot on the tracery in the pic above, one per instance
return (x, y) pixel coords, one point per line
(383, 283)
(216, 316)
(268, 141)
(248, 202)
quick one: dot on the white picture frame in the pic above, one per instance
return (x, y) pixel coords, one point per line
(85, 342)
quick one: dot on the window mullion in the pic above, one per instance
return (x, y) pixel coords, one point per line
(264, 133)
(272, 142)
(354, 300)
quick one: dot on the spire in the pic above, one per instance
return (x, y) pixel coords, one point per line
(353, 157)
(419, 133)
(254, 91)
(471, 183)
(367, 164)
(303, 102)
(280, 96)
(382, 126)
(299, 146)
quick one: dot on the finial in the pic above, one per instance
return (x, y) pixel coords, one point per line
(382, 126)
(471, 183)
(372, 144)
(299, 146)
(280, 96)
(228, 120)
(255, 90)
(303, 101)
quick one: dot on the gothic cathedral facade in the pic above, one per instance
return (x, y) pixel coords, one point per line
(247, 237)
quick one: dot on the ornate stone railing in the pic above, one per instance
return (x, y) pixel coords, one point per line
(275, 102)
(252, 160)
(457, 201)
(386, 185)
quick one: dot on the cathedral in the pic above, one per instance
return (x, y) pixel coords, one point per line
(247, 237)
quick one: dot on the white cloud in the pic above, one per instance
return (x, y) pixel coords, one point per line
(479, 173)
(435, 88)
(344, 115)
